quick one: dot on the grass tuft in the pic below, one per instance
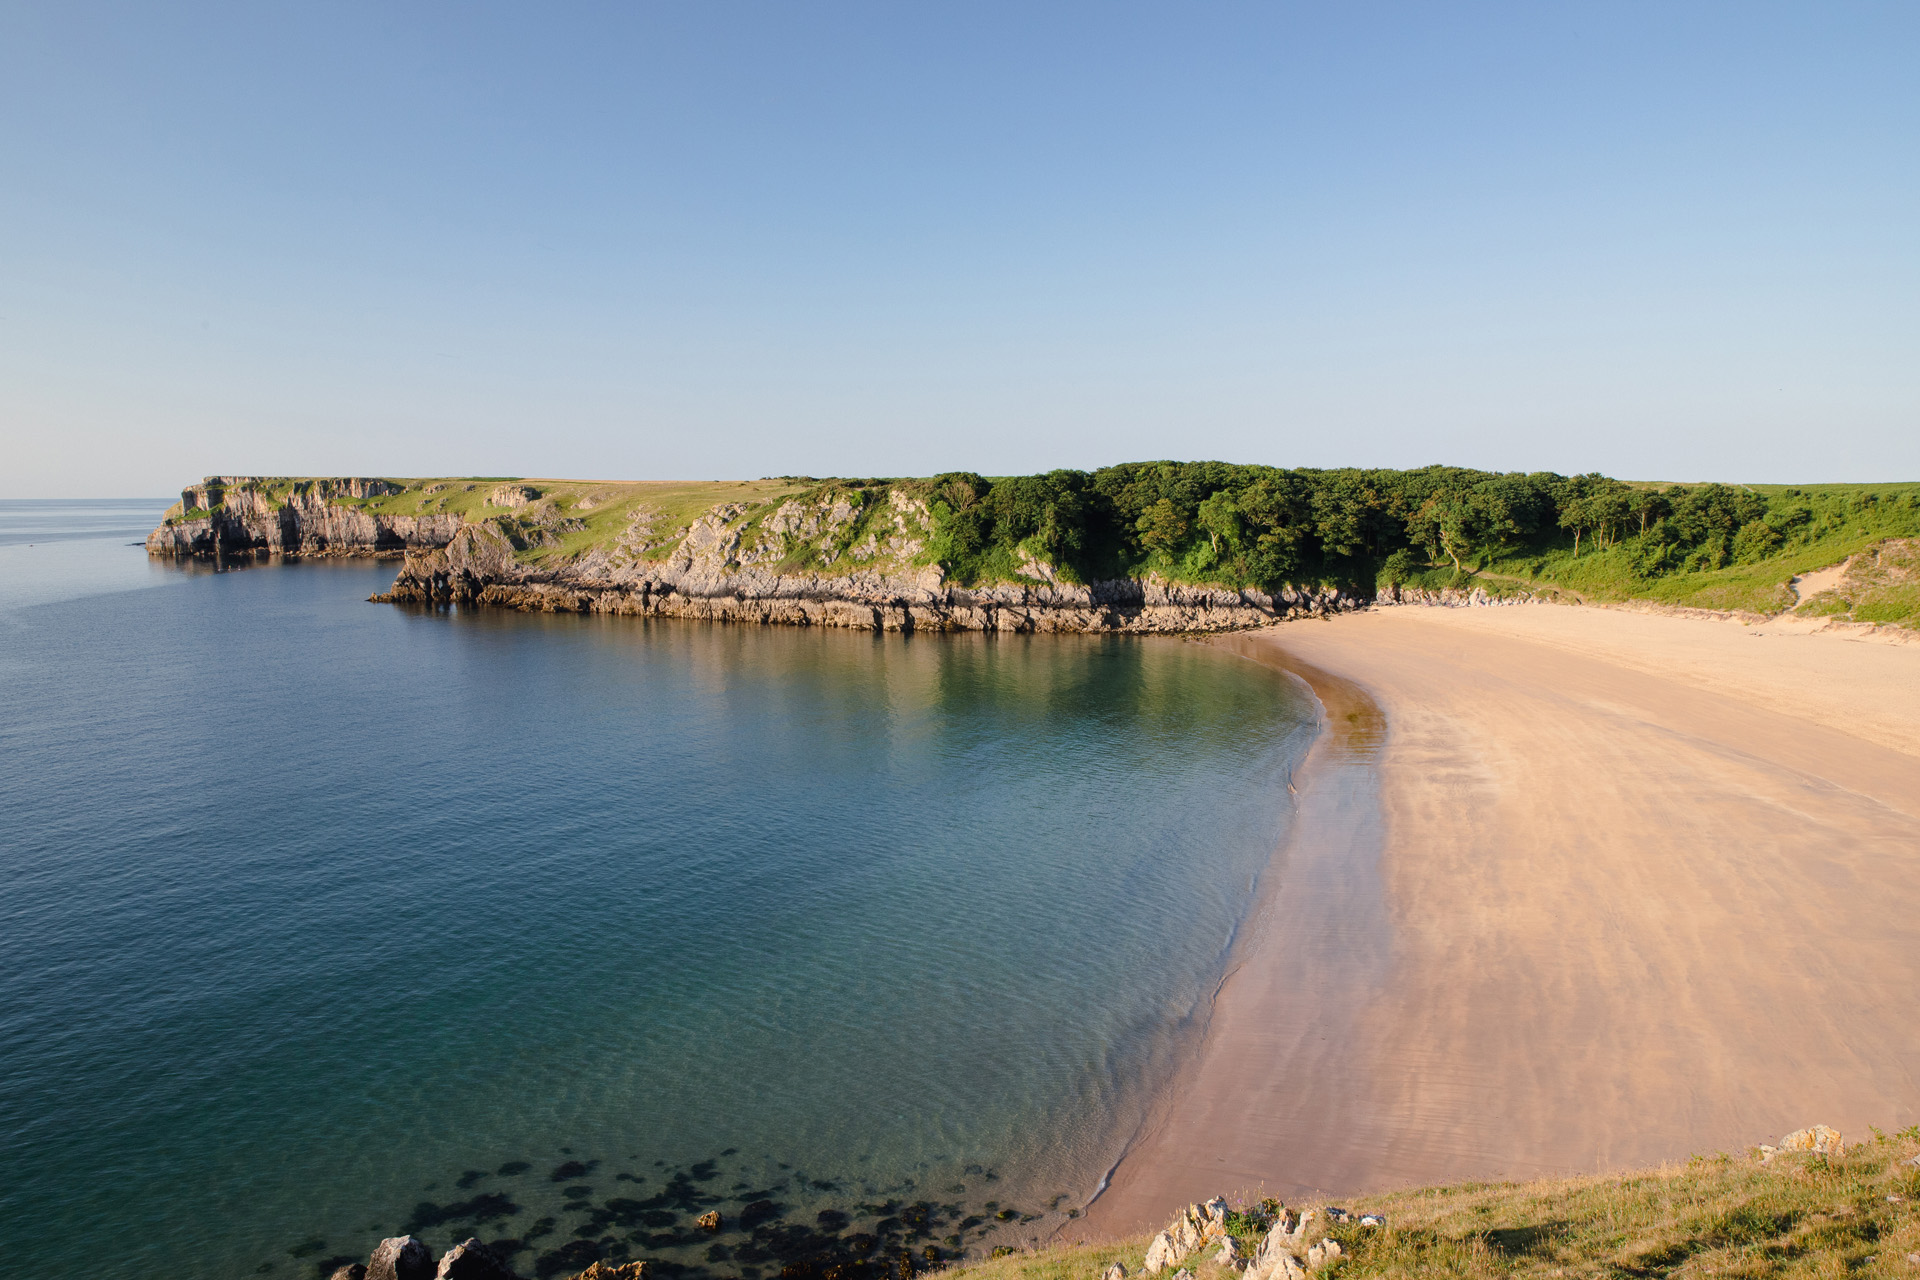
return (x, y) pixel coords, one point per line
(1723, 1216)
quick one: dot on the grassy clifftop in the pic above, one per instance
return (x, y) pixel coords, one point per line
(1851, 1214)
(1582, 537)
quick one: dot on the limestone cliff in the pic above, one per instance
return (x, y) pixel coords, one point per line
(709, 577)
(231, 515)
(853, 554)
(744, 565)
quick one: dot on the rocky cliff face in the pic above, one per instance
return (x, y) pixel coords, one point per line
(231, 515)
(712, 576)
(833, 559)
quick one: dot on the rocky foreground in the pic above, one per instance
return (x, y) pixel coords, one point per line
(1290, 1247)
(1812, 1178)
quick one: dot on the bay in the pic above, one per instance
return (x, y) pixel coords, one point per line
(321, 914)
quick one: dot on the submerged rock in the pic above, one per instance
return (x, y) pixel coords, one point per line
(708, 1221)
(400, 1258)
(608, 1271)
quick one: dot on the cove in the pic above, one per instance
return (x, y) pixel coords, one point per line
(331, 919)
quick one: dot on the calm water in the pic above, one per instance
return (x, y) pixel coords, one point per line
(325, 916)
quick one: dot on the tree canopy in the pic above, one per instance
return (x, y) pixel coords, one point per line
(1232, 525)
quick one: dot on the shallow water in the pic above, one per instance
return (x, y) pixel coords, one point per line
(322, 913)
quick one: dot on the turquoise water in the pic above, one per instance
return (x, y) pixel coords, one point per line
(326, 918)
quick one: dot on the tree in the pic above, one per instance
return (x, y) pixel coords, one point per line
(1219, 516)
(1448, 524)
(1162, 527)
(1649, 505)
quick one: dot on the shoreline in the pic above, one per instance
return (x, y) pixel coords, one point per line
(1334, 832)
(1645, 886)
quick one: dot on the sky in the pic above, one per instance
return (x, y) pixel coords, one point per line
(725, 239)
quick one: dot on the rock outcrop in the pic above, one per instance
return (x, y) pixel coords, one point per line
(1446, 597)
(1196, 1225)
(234, 515)
(836, 557)
(711, 577)
(400, 1258)
(1288, 1250)
(471, 1260)
(1815, 1139)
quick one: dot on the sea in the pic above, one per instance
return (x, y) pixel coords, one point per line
(326, 920)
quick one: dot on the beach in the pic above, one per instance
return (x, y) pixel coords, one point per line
(1567, 889)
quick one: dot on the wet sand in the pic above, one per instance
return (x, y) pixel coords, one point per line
(1568, 890)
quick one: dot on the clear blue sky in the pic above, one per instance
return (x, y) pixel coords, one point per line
(714, 239)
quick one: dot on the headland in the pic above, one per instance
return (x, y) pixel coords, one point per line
(1140, 547)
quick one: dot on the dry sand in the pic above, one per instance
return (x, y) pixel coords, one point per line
(1569, 889)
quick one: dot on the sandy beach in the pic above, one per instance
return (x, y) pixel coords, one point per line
(1569, 889)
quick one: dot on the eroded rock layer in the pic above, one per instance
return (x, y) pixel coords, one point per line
(835, 556)
(704, 579)
(225, 516)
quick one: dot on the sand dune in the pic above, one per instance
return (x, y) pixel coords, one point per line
(1570, 889)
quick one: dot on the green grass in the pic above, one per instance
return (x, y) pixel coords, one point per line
(1725, 1216)
(1737, 553)
(1842, 521)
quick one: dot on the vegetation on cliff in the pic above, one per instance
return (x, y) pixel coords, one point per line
(1852, 1213)
(1214, 524)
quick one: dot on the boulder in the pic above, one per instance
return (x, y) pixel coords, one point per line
(1161, 1254)
(1230, 1255)
(1115, 1272)
(400, 1258)
(352, 1271)
(608, 1271)
(1818, 1139)
(1372, 1220)
(1321, 1254)
(471, 1260)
